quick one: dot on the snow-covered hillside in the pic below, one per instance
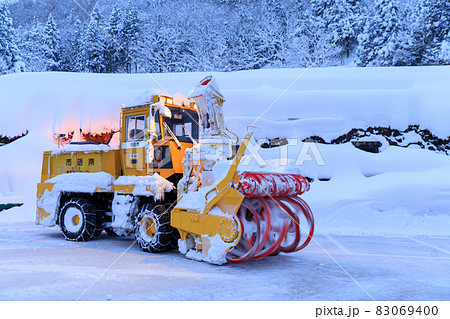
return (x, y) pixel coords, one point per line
(398, 191)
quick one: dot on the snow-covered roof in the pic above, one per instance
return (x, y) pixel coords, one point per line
(147, 97)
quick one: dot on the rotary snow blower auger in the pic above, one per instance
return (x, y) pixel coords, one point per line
(217, 212)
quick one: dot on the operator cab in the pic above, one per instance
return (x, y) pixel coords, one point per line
(155, 135)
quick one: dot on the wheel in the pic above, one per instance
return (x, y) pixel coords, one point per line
(80, 221)
(153, 232)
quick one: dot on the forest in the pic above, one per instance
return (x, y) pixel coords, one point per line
(220, 35)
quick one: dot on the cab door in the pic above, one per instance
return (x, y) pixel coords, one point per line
(134, 142)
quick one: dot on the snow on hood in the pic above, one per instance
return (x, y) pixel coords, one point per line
(145, 185)
(81, 148)
(81, 182)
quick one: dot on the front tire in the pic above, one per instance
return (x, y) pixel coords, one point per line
(79, 220)
(153, 232)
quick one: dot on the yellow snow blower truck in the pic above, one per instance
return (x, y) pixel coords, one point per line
(175, 182)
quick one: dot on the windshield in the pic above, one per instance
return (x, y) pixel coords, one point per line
(183, 123)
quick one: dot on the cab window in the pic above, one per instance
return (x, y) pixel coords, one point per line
(135, 128)
(183, 123)
(162, 158)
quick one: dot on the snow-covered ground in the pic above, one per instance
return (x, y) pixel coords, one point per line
(371, 205)
(38, 264)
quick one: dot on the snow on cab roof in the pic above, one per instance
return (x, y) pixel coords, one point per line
(147, 97)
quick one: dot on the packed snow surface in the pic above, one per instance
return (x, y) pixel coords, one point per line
(399, 191)
(38, 264)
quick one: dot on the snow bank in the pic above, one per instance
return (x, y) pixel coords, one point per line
(324, 100)
(398, 191)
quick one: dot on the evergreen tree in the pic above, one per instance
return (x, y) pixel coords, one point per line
(271, 35)
(445, 50)
(341, 17)
(75, 48)
(164, 44)
(3, 66)
(411, 48)
(8, 47)
(67, 52)
(335, 23)
(242, 42)
(435, 22)
(31, 46)
(113, 50)
(93, 50)
(51, 45)
(130, 38)
(379, 40)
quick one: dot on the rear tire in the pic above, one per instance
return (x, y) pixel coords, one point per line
(153, 232)
(80, 221)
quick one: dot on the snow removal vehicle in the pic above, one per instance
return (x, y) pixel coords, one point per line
(175, 182)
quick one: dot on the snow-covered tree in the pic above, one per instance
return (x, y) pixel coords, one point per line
(93, 50)
(243, 49)
(130, 38)
(3, 66)
(435, 22)
(51, 45)
(113, 50)
(72, 46)
(31, 46)
(163, 54)
(342, 23)
(335, 23)
(379, 40)
(8, 48)
(445, 50)
(271, 35)
(311, 44)
(410, 44)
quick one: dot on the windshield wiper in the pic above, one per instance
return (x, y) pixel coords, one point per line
(189, 134)
(171, 134)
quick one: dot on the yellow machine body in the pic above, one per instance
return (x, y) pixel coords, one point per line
(132, 157)
(58, 163)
